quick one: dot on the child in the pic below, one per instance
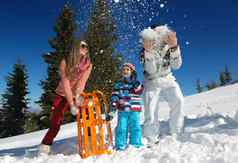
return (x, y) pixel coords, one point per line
(127, 101)
(161, 55)
(74, 73)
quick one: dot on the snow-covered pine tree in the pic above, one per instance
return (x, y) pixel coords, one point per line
(101, 37)
(15, 101)
(62, 43)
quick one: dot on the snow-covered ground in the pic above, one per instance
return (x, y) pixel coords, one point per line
(211, 136)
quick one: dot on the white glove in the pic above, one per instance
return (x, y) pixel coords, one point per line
(74, 110)
(79, 100)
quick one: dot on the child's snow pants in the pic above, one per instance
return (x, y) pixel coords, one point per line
(128, 121)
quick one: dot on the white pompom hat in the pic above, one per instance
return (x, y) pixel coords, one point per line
(130, 65)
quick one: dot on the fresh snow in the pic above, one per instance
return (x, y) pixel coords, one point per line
(210, 136)
(162, 5)
(187, 42)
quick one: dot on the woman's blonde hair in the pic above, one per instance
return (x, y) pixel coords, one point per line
(74, 58)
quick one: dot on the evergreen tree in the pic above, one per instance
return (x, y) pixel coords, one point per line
(15, 101)
(31, 123)
(1, 120)
(199, 87)
(101, 37)
(222, 77)
(212, 85)
(62, 43)
(228, 76)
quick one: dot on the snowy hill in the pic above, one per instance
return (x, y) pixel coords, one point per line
(220, 100)
(211, 136)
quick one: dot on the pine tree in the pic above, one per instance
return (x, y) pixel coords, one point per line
(15, 101)
(101, 37)
(62, 43)
(211, 85)
(31, 123)
(1, 120)
(222, 77)
(199, 87)
(228, 76)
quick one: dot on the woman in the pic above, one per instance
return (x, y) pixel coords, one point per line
(74, 73)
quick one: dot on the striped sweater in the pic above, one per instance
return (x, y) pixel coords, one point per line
(126, 96)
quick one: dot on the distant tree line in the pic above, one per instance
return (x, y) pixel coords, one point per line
(225, 78)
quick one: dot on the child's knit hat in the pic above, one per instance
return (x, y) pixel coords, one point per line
(133, 69)
(130, 65)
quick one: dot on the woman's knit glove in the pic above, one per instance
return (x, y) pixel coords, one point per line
(74, 110)
(78, 100)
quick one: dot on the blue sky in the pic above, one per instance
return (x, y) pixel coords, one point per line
(207, 32)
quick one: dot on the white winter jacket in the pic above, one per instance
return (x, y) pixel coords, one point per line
(158, 65)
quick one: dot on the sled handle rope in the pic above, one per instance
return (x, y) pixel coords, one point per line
(92, 139)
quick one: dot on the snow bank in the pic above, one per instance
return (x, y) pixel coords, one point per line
(210, 136)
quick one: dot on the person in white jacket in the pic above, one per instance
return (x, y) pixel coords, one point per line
(160, 55)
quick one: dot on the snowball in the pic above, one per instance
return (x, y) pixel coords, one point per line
(148, 34)
(162, 5)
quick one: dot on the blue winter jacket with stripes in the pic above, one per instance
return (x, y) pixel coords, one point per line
(126, 95)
